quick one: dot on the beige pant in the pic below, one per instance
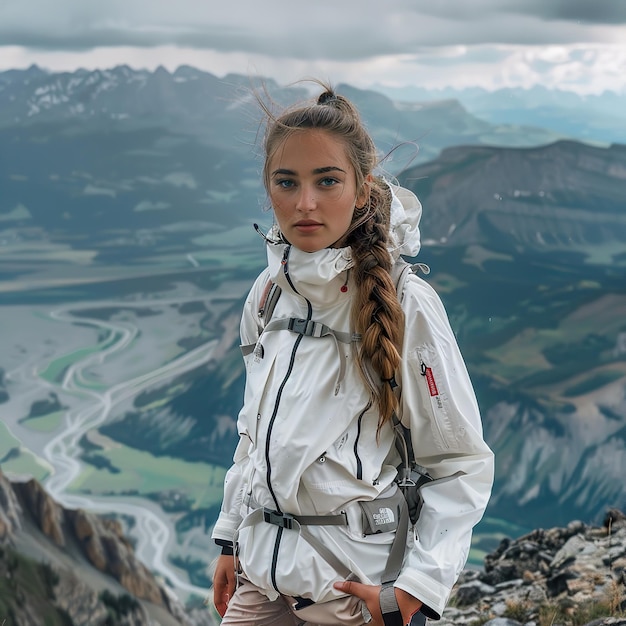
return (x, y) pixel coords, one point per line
(250, 607)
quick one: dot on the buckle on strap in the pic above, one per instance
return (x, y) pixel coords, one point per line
(285, 520)
(301, 326)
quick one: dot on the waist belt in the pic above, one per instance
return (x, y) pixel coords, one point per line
(300, 523)
(286, 520)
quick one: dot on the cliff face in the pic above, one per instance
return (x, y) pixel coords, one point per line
(59, 564)
(100, 540)
(10, 510)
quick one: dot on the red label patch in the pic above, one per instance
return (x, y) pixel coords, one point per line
(432, 385)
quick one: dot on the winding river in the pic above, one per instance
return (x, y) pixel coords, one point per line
(153, 530)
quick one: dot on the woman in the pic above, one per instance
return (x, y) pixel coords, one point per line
(311, 503)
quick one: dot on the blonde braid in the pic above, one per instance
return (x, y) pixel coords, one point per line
(377, 314)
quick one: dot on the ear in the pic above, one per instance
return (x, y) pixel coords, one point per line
(363, 197)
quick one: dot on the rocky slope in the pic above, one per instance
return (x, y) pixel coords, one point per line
(58, 566)
(71, 567)
(572, 575)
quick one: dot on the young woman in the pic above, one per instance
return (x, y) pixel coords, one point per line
(311, 505)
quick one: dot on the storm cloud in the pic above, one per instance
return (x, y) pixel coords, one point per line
(348, 30)
(574, 44)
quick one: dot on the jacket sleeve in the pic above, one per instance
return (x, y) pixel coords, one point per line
(234, 483)
(439, 406)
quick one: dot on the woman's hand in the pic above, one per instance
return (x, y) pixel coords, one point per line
(224, 582)
(370, 595)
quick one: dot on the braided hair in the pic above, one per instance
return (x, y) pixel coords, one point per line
(376, 313)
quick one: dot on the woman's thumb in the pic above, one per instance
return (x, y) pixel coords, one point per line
(350, 587)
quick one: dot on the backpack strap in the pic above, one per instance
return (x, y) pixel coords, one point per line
(300, 523)
(269, 297)
(400, 272)
(271, 293)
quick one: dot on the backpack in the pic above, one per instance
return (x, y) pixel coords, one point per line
(411, 476)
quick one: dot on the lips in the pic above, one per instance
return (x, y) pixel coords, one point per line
(307, 226)
(307, 223)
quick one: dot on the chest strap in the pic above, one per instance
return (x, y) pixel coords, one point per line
(308, 328)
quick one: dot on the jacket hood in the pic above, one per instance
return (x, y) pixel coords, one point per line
(406, 212)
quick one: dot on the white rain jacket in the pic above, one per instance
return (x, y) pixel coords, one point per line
(308, 442)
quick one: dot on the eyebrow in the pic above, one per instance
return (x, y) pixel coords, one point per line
(317, 170)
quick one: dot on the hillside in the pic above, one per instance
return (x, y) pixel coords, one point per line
(72, 568)
(587, 117)
(570, 575)
(564, 197)
(528, 248)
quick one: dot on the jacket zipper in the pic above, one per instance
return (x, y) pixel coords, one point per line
(270, 427)
(435, 398)
(359, 464)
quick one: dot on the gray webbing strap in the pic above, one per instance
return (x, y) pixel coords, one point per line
(309, 328)
(387, 597)
(299, 523)
(396, 554)
(247, 349)
(389, 606)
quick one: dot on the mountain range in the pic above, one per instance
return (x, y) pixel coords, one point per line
(590, 117)
(87, 155)
(122, 185)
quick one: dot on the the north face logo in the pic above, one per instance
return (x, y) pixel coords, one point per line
(384, 516)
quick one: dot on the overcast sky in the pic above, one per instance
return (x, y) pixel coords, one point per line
(569, 44)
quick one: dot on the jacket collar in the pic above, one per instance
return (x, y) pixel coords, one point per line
(319, 276)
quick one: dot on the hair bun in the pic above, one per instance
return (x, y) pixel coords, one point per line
(328, 97)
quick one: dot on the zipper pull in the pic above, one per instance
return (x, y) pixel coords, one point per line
(427, 372)
(283, 261)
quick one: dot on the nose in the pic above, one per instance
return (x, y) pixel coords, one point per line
(306, 200)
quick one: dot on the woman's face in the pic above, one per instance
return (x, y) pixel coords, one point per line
(312, 187)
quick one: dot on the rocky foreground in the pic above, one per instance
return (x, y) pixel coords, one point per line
(62, 567)
(574, 575)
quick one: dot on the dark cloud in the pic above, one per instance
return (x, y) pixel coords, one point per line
(327, 29)
(607, 12)
(585, 11)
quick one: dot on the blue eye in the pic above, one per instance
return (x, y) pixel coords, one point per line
(328, 182)
(284, 183)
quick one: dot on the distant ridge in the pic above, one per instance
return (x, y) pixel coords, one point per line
(563, 196)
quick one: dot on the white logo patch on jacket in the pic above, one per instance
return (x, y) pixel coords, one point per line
(384, 516)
